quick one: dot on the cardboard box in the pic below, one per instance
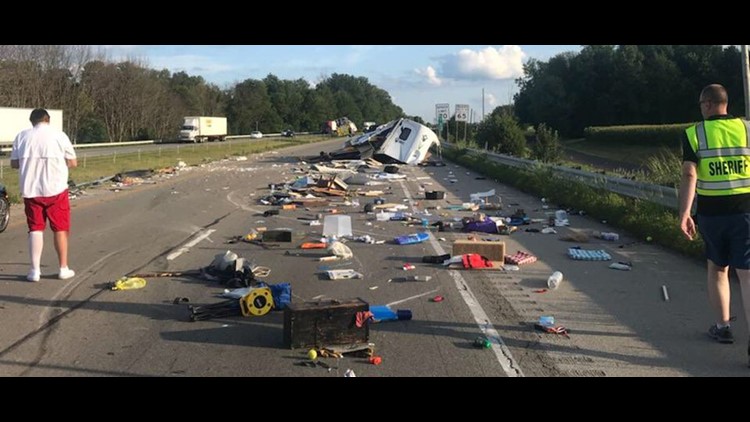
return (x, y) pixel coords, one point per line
(492, 250)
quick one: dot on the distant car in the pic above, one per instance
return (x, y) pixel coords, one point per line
(288, 133)
(256, 135)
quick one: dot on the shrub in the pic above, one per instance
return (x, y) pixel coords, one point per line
(546, 147)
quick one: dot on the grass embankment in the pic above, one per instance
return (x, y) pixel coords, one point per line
(640, 218)
(628, 153)
(154, 157)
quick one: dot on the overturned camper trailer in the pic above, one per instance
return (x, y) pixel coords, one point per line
(399, 141)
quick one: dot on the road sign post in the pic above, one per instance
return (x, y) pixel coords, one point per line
(462, 115)
(441, 113)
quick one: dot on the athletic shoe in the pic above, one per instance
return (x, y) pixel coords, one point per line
(34, 275)
(66, 274)
(722, 335)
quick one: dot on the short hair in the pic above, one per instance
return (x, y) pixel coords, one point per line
(715, 93)
(38, 115)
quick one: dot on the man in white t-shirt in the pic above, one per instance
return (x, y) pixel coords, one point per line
(43, 155)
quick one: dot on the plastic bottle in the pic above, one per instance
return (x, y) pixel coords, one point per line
(482, 342)
(419, 278)
(554, 280)
(547, 321)
(613, 237)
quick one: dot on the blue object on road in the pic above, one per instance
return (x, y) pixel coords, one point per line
(411, 239)
(588, 255)
(383, 313)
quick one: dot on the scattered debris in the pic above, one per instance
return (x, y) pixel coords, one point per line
(482, 342)
(554, 280)
(588, 255)
(520, 258)
(343, 274)
(622, 266)
(552, 329)
(128, 283)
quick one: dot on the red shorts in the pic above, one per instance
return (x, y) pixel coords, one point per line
(55, 208)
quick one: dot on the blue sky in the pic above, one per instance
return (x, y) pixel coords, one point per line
(416, 76)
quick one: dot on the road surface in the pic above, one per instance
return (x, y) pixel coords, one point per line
(620, 325)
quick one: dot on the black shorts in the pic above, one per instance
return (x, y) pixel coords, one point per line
(727, 239)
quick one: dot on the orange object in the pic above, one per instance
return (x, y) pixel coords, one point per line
(288, 207)
(376, 360)
(312, 245)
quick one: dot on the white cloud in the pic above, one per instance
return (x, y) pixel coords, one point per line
(491, 100)
(430, 75)
(190, 63)
(505, 62)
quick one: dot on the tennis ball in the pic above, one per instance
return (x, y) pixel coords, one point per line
(649, 238)
(312, 354)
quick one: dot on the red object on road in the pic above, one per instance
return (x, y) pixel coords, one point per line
(437, 298)
(376, 360)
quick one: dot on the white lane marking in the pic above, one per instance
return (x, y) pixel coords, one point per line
(412, 297)
(502, 352)
(186, 247)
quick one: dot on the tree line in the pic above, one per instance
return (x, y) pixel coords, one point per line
(605, 85)
(107, 101)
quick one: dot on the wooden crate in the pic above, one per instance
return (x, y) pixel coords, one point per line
(492, 250)
(315, 324)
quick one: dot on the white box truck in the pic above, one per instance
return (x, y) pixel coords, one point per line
(202, 129)
(14, 120)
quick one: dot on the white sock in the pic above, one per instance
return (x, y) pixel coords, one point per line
(36, 244)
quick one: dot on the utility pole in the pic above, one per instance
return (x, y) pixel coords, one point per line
(482, 104)
(466, 124)
(746, 79)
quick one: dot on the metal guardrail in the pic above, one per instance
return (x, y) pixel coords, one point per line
(100, 145)
(662, 195)
(7, 148)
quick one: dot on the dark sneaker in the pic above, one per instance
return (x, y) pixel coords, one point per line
(722, 335)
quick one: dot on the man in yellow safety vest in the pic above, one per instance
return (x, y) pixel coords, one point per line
(716, 165)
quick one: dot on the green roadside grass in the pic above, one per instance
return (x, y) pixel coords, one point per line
(642, 219)
(94, 168)
(633, 154)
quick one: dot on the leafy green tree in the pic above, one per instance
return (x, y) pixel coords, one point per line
(547, 147)
(501, 132)
(249, 107)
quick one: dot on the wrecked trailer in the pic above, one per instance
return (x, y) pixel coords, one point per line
(400, 141)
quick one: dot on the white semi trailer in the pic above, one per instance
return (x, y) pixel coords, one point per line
(14, 120)
(202, 128)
